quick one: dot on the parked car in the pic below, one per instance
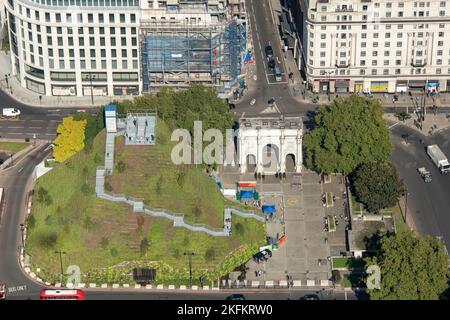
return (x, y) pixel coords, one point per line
(262, 256)
(277, 71)
(310, 297)
(236, 297)
(269, 51)
(2, 291)
(271, 63)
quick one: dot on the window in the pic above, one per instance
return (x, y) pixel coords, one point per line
(111, 18)
(92, 53)
(58, 17)
(47, 17)
(101, 18)
(123, 41)
(102, 41)
(112, 30)
(133, 18)
(92, 41)
(90, 18)
(81, 41)
(122, 18)
(113, 41)
(82, 53)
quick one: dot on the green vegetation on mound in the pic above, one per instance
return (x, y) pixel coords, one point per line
(107, 239)
(150, 175)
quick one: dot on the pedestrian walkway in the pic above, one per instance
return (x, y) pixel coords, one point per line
(13, 88)
(432, 124)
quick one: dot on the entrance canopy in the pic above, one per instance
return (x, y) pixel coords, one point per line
(269, 208)
(246, 194)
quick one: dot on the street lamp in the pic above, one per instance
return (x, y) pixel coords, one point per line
(329, 73)
(60, 261)
(190, 254)
(406, 203)
(91, 77)
(6, 79)
(22, 229)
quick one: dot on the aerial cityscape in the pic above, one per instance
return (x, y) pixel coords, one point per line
(224, 150)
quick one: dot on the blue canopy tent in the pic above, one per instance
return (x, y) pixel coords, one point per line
(219, 184)
(269, 208)
(246, 194)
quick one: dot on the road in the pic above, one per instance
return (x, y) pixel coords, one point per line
(429, 203)
(41, 122)
(16, 182)
(264, 30)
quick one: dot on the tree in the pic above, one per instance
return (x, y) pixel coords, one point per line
(121, 166)
(347, 133)
(210, 254)
(377, 185)
(403, 116)
(412, 268)
(144, 246)
(44, 197)
(239, 228)
(104, 242)
(70, 139)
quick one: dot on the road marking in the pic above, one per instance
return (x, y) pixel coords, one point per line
(20, 170)
(37, 120)
(394, 125)
(34, 127)
(15, 133)
(15, 127)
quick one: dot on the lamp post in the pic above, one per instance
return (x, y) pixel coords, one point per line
(329, 73)
(60, 261)
(90, 78)
(22, 229)
(406, 204)
(190, 254)
(7, 76)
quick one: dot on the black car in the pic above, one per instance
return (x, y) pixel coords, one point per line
(262, 256)
(236, 297)
(310, 297)
(271, 63)
(269, 51)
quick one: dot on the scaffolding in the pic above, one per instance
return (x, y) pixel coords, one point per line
(179, 54)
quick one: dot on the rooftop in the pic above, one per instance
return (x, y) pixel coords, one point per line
(271, 123)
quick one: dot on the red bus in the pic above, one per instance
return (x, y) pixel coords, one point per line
(62, 295)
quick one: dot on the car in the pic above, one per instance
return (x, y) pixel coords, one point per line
(232, 106)
(236, 297)
(2, 291)
(271, 63)
(252, 102)
(310, 297)
(277, 71)
(269, 51)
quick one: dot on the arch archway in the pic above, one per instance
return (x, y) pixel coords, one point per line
(250, 161)
(290, 162)
(270, 158)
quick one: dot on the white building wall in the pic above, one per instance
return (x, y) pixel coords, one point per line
(369, 42)
(66, 43)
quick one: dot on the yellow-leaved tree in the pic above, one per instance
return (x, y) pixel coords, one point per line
(70, 139)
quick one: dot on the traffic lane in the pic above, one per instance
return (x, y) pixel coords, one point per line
(429, 202)
(265, 294)
(15, 182)
(6, 101)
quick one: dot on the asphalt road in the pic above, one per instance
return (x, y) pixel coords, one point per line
(15, 182)
(264, 30)
(428, 203)
(41, 122)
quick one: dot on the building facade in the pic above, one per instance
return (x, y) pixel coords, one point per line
(124, 47)
(270, 145)
(376, 45)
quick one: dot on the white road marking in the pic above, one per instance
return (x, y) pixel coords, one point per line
(20, 170)
(16, 127)
(37, 120)
(34, 127)
(15, 133)
(394, 125)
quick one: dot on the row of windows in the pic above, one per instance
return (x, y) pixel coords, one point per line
(376, 35)
(79, 17)
(375, 72)
(89, 3)
(377, 26)
(388, 5)
(92, 41)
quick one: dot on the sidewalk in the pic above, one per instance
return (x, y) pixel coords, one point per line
(432, 124)
(28, 97)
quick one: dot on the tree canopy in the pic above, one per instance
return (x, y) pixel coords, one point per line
(412, 268)
(179, 109)
(377, 185)
(70, 139)
(347, 133)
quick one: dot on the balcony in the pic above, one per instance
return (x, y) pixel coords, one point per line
(418, 63)
(342, 64)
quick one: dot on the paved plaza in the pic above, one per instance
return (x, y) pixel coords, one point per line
(300, 216)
